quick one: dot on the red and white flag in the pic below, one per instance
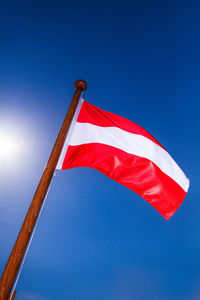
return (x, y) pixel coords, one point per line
(127, 153)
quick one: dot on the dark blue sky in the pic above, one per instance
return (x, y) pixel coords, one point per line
(96, 239)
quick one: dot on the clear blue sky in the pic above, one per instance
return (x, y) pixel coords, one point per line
(96, 239)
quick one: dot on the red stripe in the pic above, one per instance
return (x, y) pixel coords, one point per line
(96, 116)
(137, 173)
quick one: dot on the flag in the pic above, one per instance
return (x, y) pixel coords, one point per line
(126, 153)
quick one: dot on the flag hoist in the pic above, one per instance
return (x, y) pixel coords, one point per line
(122, 150)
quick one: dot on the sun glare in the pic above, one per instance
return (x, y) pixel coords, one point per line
(9, 146)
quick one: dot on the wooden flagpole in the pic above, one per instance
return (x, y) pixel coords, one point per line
(16, 256)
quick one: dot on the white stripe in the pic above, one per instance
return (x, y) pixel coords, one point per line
(86, 133)
(65, 146)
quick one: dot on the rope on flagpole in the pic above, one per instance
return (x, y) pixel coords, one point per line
(29, 244)
(35, 227)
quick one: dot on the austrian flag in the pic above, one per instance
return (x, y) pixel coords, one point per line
(127, 153)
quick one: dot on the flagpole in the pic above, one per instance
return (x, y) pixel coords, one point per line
(16, 256)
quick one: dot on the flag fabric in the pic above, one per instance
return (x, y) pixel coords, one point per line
(126, 153)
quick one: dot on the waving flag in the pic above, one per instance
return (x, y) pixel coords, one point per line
(127, 153)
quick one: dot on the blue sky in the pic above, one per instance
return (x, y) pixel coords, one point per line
(96, 239)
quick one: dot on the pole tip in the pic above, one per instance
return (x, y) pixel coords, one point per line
(80, 84)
